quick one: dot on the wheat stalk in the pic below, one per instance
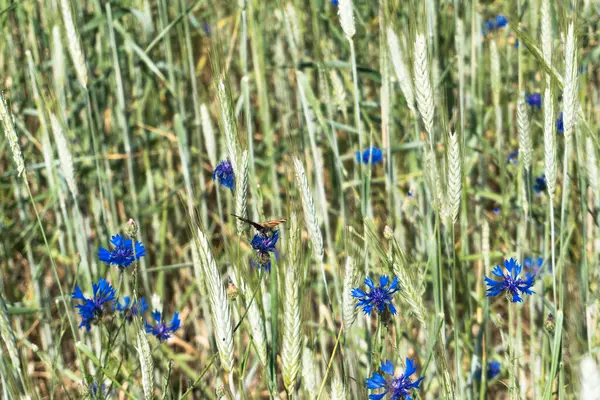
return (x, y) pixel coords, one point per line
(255, 319)
(74, 44)
(549, 145)
(146, 364)
(348, 302)
(309, 211)
(209, 134)
(8, 336)
(219, 304)
(546, 33)
(347, 18)
(227, 121)
(400, 69)
(424, 93)
(64, 155)
(241, 192)
(591, 166)
(525, 147)
(570, 84)
(11, 135)
(454, 176)
(292, 339)
(338, 390)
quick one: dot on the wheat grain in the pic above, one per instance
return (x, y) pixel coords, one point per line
(8, 336)
(423, 91)
(525, 147)
(228, 121)
(74, 43)
(347, 18)
(219, 304)
(64, 155)
(570, 84)
(400, 69)
(241, 192)
(348, 302)
(338, 390)
(308, 208)
(546, 33)
(146, 364)
(11, 135)
(292, 339)
(454, 175)
(549, 145)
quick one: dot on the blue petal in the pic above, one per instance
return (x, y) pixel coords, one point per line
(387, 367)
(156, 315)
(369, 282)
(78, 294)
(377, 396)
(383, 280)
(104, 255)
(175, 322)
(410, 368)
(376, 381)
(117, 240)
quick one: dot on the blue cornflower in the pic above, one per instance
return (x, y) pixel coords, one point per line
(373, 154)
(560, 126)
(224, 172)
(335, 2)
(513, 158)
(163, 330)
(379, 297)
(534, 100)
(540, 184)
(493, 370)
(534, 265)
(92, 310)
(122, 255)
(397, 388)
(98, 391)
(496, 210)
(494, 24)
(264, 243)
(130, 310)
(511, 282)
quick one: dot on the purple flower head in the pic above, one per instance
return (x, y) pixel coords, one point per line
(130, 310)
(92, 310)
(560, 126)
(161, 329)
(397, 388)
(372, 154)
(264, 243)
(494, 24)
(496, 210)
(540, 184)
(513, 158)
(534, 100)
(510, 283)
(224, 173)
(379, 297)
(122, 255)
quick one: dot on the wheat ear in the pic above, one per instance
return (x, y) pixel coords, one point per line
(570, 84)
(400, 69)
(219, 304)
(74, 43)
(347, 18)
(525, 147)
(228, 121)
(64, 155)
(241, 192)
(11, 135)
(146, 364)
(454, 175)
(424, 92)
(549, 145)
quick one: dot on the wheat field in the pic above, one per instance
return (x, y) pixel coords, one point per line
(321, 199)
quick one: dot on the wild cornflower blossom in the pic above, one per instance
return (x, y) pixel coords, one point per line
(335, 2)
(122, 255)
(534, 100)
(534, 265)
(264, 243)
(129, 309)
(496, 210)
(560, 126)
(511, 283)
(397, 388)
(163, 330)
(513, 158)
(379, 297)
(540, 184)
(493, 370)
(96, 391)
(373, 154)
(92, 310)
(224, 173)
(494, 24)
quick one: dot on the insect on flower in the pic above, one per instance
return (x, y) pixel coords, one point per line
(264, 243)
(372, 154)
(225, 175)
(130, 309)
(92, 310)
(162, 330)
(379, 297)
(511, 283)
(122, 255)
(263, 227)
(398, 388)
